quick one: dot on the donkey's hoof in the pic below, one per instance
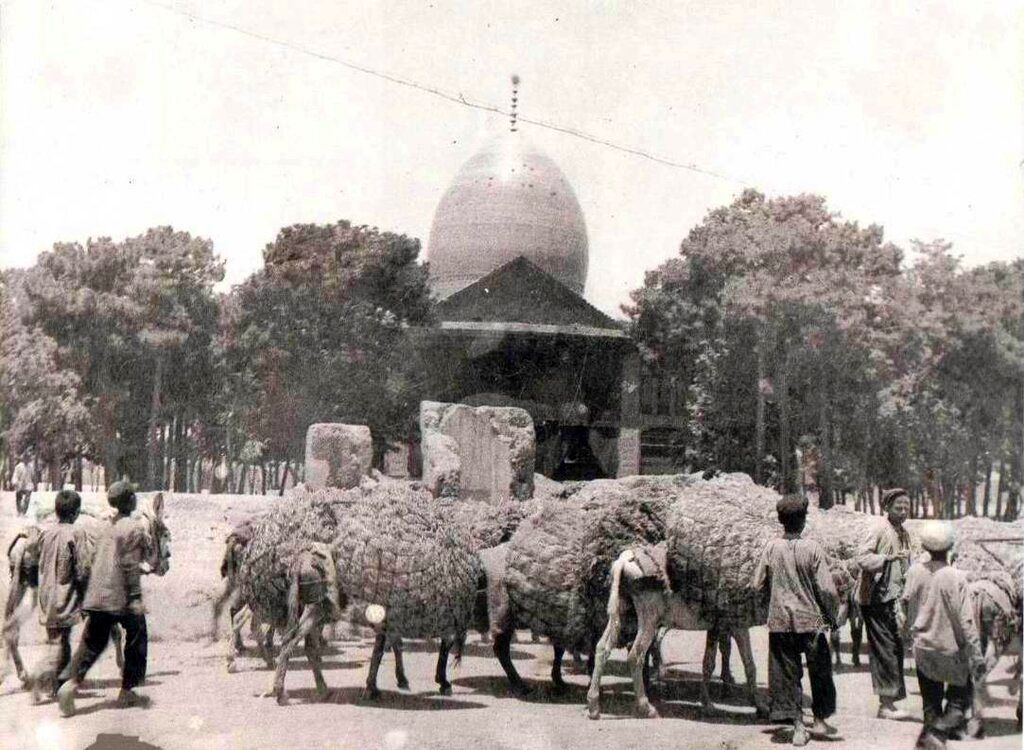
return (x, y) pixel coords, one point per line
(593, 710)
(647, 711)
(520, 689)
(445, 689)
(403, 684)
(371, 693)
(232, 668)
(282, 698)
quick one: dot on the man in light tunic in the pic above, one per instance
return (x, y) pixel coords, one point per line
(947, 648)
(884, 558)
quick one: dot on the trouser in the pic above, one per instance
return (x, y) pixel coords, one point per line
(97, 635)
(21, 498)
(940, 721)
(886, 648)
(785, 675)
(55, 658)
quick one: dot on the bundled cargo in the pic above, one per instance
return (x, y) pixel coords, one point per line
(278, 538)
(404, 565)
(984, 545)
(491, 524)
(715, 535)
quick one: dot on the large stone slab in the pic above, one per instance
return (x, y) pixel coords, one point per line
(478, 452)
(337, 455)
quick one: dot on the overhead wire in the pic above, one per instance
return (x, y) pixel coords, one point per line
(456, 98)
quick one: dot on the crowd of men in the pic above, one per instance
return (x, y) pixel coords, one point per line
(894, 592)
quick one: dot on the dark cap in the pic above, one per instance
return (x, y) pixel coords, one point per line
(119, 492)
(791, 503)
(889, 495)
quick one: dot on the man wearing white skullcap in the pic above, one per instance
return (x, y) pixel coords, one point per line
(947, 649)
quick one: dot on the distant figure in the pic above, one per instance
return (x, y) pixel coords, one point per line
(115, 597)
(23, 486)
(803, 603)
(947, 647)
(63, 572)
(884, 557)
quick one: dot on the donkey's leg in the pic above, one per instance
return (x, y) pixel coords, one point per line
(292, 638)
(441, 672)
(371, 678)
(725, 649)
(238, 620)
(602, 651)
(12, 625)
(647, 629)
(556, 668)
(314, 652)
(117, 636)
(708, 667)
(742, 637)
(502, 650)
(856, 634)
(267, 645)
(403, 681)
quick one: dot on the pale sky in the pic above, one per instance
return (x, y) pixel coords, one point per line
(118, 115)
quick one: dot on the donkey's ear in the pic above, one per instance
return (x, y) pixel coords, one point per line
(158, 504)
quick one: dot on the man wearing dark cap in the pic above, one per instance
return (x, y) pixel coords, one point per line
(884, 558)
(114, 597)
(802, 605)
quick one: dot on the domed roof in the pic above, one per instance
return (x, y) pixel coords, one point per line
(508, 200)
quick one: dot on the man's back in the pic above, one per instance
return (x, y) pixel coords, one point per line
(803, 595)
(115, 568)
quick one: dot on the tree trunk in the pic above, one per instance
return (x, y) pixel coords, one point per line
(972, 487)
(759, 428)
(824, 478)
(785, 449)
(987, 492)
(181, 446)
(154, 413)
(999, 489)
(284, 476)
(263, 478)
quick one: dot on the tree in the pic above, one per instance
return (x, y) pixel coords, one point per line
(44, 411)
(119, 313)
(320, 334)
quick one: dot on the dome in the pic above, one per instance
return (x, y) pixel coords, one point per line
(508, 200)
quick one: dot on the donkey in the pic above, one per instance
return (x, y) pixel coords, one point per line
(640, 574)
(23, 558)
(996, 602)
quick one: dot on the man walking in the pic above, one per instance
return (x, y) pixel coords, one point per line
(947, 648)
(23, 486)
(802, 604)
(884, 557)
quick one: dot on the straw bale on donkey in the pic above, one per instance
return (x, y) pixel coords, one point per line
(701, 578)
(408, 571)
(551, 577)
(992, 553)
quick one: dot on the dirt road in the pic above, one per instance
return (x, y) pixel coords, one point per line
(196, 704)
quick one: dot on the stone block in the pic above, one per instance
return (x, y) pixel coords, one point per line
(491, 450)
(337, 455)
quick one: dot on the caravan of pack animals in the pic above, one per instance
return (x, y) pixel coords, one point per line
(787, 441)
(591, 566)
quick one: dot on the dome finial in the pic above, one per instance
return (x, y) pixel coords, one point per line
(515, 99)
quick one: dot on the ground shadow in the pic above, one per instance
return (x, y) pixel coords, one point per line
(110, 704)
(120, 742)
(114, 682)
(783, 735)
(1000, 727)
(356, 696)
(327, 666)
(541, 691)
(486, 651)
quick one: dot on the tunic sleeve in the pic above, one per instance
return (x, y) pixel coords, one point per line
(762, 573)
(825, 587)
(968, 638)
(867, 554)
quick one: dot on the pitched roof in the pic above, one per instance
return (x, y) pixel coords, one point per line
(520, 293)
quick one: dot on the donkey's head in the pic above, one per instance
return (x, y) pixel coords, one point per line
(152, 517)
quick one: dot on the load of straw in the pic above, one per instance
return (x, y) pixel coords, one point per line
(398, 548)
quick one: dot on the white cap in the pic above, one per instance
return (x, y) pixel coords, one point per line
(936, 536)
